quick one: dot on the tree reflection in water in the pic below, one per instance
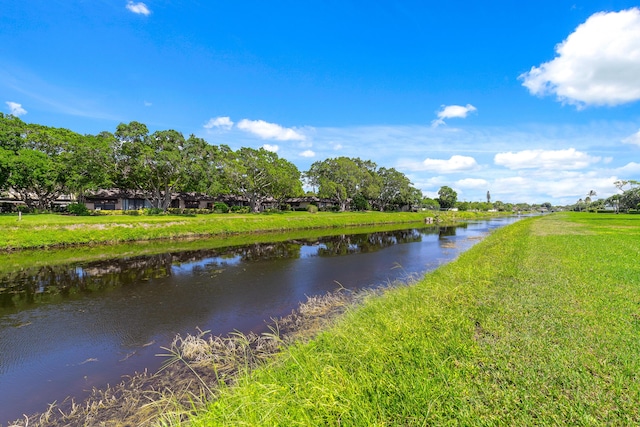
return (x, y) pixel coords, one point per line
(49, 284)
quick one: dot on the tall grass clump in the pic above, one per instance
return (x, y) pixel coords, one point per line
(536, 325)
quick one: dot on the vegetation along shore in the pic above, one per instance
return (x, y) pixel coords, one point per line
(50, 230)
(536, 325)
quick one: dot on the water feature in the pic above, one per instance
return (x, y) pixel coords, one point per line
(65, 329)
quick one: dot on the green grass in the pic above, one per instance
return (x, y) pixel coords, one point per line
(42, 231)
(539, 324)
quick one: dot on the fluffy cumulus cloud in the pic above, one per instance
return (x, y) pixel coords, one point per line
(138, 8)
(16, 109)
(598, 64)
(453, 165)
(633, 139)
(219, 123)
(270, 147)
(452, 112)
(267, 130)
(568, 159)
(630, 169)
(307, 153)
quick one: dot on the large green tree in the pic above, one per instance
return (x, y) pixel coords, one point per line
(91, 164)
(38, 162)
(342, 179)
(12, 132)
(447, 197)
(157, 164)
(395, 190)
(208, 173)
(36, 178)
(260, 174)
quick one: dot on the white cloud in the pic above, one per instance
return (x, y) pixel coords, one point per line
(598, 64)
(267, 130)
(219, 122)
(633, 139)
(16, 109)
(270, 147)
(454, 164)
(452, 112)
(138, 8)
(472, 183)
(562, 187)
(631, 168)
(308, 153)
(147, 104)
(546, 159)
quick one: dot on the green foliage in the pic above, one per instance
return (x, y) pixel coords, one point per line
(152, 211)
(431, 204)
(240, 209)
(395, 190)
(368, 187)
(360, 203)
(344, 178)
(220, 207)
(312, 209)
(260, 174)
(78, 209)
(447, 197)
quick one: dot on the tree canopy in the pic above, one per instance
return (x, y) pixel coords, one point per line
(447, 197)
(345, 179)
(260, 174)
(40, 163)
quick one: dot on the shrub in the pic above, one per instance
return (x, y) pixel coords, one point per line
(108, 212)
(240, 209)
(312, 209)
(78, 209)
(153, 211)
(132, 213)
(220, 207)
(360, 203)
(271, 211)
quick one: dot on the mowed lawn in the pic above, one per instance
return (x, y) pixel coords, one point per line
(539, 324)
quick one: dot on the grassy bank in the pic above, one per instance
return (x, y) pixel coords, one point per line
(536, 325)
(41, 231)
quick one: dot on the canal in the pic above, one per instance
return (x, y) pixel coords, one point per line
(65, 329)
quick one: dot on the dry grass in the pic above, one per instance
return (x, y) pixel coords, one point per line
(196, 366)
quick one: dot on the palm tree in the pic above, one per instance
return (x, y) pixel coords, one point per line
(592, 193)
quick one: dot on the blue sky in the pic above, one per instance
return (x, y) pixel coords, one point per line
(533, 101)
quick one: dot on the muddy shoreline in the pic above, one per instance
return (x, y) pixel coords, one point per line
(195, 366)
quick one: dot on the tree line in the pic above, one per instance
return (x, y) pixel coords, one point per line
(626, 201)
(40, 163)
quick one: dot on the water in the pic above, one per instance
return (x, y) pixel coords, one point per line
(66, 329)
